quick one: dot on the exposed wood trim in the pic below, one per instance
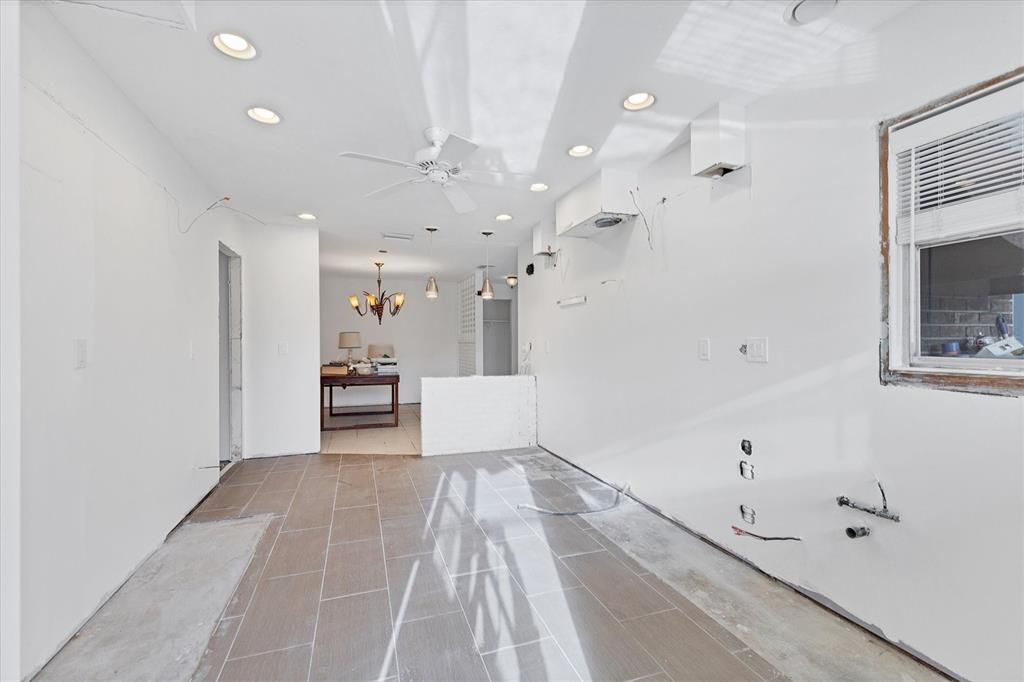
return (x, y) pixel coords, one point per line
(937, 379)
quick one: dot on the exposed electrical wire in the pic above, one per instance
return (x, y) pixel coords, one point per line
(647, 225)
(214, 206)
(766, 538)
(149, 18)
(554, 512)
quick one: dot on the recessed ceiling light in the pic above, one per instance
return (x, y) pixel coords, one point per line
(538, 187)
(802, 12)
(264, 115)
(503, 217)
(306, 216)
(234, 46)
(638, 101)
(581, 150)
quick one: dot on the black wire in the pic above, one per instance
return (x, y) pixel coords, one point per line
(769, 538)
(650, 238)
(885, 502)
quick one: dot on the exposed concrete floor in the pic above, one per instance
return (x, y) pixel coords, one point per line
(157, 625)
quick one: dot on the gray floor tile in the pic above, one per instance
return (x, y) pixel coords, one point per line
(299, 551)
(501, 522)
(595, 643)
(282, 614)
(420, 587)
(355, 523)
(290, 665)
(354, 567)
(498, 611)
(563, 536)
(466, 550)
(535, 662)
(405, 535)
(439, 648)
(685, 651)
(618, 588)
(535, 567)
(352, 639)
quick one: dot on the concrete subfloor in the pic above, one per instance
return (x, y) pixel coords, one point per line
(157, 626)
(406, 568)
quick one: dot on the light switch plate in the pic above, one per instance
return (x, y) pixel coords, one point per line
(704, 349)
(757, 349)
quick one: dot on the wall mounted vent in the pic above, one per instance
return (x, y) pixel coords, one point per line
(601, 202)
(718, 141)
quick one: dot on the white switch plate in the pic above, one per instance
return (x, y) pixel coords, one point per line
(282, 349)
(81, 355)
(757, 349)
(704, 349)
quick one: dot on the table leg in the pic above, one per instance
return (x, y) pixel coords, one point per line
(394, 401)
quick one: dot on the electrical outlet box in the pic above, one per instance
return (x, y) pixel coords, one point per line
(704, 349)
(81, 356)
(757, 349)
(282, 349)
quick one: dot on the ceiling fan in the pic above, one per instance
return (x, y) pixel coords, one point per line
(440, 163)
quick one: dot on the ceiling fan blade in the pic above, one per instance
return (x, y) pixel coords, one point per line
(496, 179)
(458, 198)
(389, 189)
(455, 149)
(378, 159)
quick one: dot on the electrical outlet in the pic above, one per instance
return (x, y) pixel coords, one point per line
(282, 349)
(704, 349)
(757, 349)
(81, 359)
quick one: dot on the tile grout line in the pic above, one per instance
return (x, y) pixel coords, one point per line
(252, 596)
(584, 586)
(451, 580)
(392, 649)
(323, 577)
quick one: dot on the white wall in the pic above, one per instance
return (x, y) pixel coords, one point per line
(424, 334)
(10, 344)
(794, 256)
(116, 453)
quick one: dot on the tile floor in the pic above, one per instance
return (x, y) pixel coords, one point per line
(410, 568)
(401, 440)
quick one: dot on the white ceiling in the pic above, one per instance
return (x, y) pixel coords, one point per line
(524, 80)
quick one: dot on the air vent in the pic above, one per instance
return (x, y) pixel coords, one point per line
(397, 236)
(607, 221)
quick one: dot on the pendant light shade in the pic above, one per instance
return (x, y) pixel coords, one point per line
(487, 290)
(432, 291)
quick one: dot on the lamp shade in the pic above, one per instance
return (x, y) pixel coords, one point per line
(487, 291)
(432, 288)
(349, 340)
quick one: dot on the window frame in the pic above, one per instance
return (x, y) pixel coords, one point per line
(896, 365)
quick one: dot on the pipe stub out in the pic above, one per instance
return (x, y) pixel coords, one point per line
(854, 532)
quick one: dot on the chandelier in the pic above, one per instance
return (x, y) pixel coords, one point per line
(375, 304)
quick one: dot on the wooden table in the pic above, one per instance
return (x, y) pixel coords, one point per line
(331, 381)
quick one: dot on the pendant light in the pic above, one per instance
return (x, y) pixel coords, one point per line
(432, 291)
(487, 291)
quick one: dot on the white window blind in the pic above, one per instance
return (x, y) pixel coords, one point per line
(966, 183)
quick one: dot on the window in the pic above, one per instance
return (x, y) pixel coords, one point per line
(953, 241)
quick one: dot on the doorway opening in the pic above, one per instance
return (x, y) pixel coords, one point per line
(497, 337)
(229, 271)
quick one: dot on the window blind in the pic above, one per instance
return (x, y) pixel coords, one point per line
(966, 183)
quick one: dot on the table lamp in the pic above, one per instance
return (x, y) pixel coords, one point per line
(349, 340)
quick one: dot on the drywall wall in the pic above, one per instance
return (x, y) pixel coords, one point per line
(117, 451)
(10, 343)
(478, 413)
(424, 334)
(788, 249)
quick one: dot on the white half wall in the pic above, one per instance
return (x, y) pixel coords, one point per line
(116, 452)
(478, 413)
(424, 334)
(789, 249)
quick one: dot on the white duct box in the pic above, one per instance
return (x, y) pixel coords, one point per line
(601, 202)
